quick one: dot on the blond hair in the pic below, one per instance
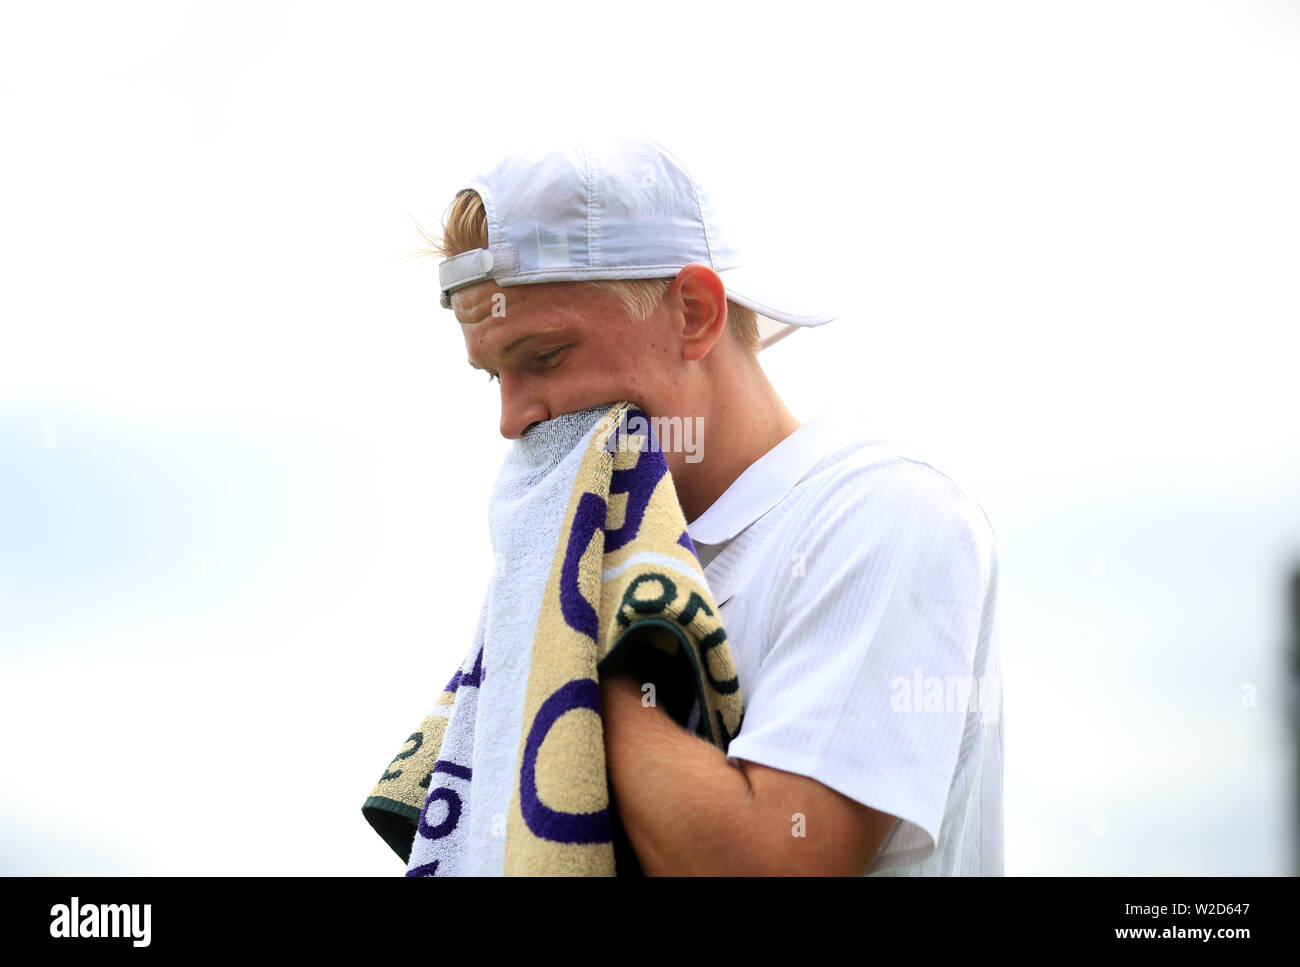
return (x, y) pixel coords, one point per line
(465, 228)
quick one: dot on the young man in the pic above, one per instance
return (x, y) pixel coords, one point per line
(856, 581)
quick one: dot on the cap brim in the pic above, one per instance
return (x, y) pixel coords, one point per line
(771, 332)
(777, 317)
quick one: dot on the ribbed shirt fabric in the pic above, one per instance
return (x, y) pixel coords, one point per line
(858, 586)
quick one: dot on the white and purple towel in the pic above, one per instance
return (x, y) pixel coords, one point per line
(506, 775)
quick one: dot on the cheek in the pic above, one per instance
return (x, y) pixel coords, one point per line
(471, 344)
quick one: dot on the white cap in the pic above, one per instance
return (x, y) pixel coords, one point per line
(612, 208)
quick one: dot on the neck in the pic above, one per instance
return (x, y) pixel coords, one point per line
(742, 419)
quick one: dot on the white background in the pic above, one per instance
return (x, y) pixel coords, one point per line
(244, 465)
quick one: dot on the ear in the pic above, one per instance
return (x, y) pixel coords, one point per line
(703, 300)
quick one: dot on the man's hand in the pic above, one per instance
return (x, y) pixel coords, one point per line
(689, 811)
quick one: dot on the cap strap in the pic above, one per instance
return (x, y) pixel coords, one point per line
(476, 265)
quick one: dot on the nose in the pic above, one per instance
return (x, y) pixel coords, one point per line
(520, 408)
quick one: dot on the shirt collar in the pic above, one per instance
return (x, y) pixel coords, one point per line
(767, 480)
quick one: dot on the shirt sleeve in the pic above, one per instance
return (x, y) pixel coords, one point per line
(871, 631)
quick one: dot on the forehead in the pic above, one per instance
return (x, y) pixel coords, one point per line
(475, 301)
(486, 301)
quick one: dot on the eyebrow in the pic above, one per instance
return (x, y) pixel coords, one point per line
(536, 334)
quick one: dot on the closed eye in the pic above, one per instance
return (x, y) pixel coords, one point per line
(542, 359)
(547, 357)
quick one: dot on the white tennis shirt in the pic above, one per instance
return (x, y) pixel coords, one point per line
(858, 586)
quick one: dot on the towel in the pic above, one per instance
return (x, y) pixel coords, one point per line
(595, 570)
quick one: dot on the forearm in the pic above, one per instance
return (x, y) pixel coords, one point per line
(686, 810)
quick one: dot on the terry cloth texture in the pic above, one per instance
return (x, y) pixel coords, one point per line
(595, 569)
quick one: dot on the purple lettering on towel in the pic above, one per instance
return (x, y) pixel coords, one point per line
(474, 677)
(545, 822)
(587, 519)
(441, 794)
(639, 484)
